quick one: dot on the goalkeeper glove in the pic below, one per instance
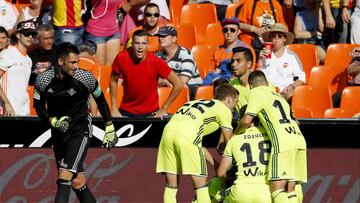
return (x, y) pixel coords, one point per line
(110, 138)
(62, 124)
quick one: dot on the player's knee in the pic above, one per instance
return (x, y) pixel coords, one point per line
(77, 183)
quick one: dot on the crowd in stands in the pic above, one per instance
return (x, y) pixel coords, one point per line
(116, 37)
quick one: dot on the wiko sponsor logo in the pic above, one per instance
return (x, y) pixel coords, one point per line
(99, 133)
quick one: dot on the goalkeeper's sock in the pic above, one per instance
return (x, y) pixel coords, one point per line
(292, 197)
(63, 191)
(84, 194)
(170, 194)
(202, 195)
(280, 196)
(299, 193)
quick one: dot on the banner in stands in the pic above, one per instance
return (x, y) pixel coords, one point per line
(128, 175)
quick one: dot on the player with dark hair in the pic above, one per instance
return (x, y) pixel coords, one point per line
(61, 98)
(287, 162)
(181, 151)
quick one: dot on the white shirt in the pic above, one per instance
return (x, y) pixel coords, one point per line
(281, 71)
(8, 15)
(15, 81)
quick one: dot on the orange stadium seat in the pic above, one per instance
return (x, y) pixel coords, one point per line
(89, 64)
(214, 35)
(231, 9)
(338, 54)
(339, 113)
(175, 7)
(202, 55)
(317, 100)
(186, 35)
(333, 77)
(31, 94)
(307, 54)
(119, 95)
(350, 99)
(181, 99)
(200, 15)
(205, 92)
(105, 76)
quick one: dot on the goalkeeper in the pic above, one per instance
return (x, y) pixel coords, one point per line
(61, 98)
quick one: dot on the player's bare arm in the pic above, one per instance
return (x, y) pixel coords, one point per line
(113, 85)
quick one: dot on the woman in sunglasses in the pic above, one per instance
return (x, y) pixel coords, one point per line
(281, 66)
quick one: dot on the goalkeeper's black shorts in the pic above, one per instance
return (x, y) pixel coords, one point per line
(70, 152)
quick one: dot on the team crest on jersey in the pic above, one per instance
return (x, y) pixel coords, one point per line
(71, 91)
(285, 65)
(3, 12)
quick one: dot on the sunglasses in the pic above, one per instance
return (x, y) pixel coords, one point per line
(232, 30)
(156, 15)
(278, 35)
(27, 34)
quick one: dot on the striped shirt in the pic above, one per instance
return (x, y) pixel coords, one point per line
(67, 13)
(183, 63)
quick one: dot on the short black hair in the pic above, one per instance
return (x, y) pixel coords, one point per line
(257, 77)
(139, 33)
(3, 30)
(247, 53)
(151, 5)
(65, 49)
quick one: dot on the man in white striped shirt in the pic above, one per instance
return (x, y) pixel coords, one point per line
(180, 59)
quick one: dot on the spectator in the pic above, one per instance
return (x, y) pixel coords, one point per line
(103, 29)
(87, 52)
(30, 12)
(140, 71)
(220, 62)
(4, 38)
(354, 20)
(164, 12)
(180, 60)
(231, 31)
(338, 27)
(43, 57)
(151, 27)
(9, 14)
(309, 27)
(284, 68)
(255, 18)
(354, 67)
(68, 24)
(15, 62)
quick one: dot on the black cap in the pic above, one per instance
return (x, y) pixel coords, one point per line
(26, 27)
(166, 30)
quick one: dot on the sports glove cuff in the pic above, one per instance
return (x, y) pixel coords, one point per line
(109, 128)
(53, 121)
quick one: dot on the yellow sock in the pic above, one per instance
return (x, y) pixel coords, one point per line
(202, 195)
(170, 195)
(299, 193)
(292, 197)
(280, 196)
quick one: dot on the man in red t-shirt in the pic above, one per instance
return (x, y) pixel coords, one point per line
(140, 71)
